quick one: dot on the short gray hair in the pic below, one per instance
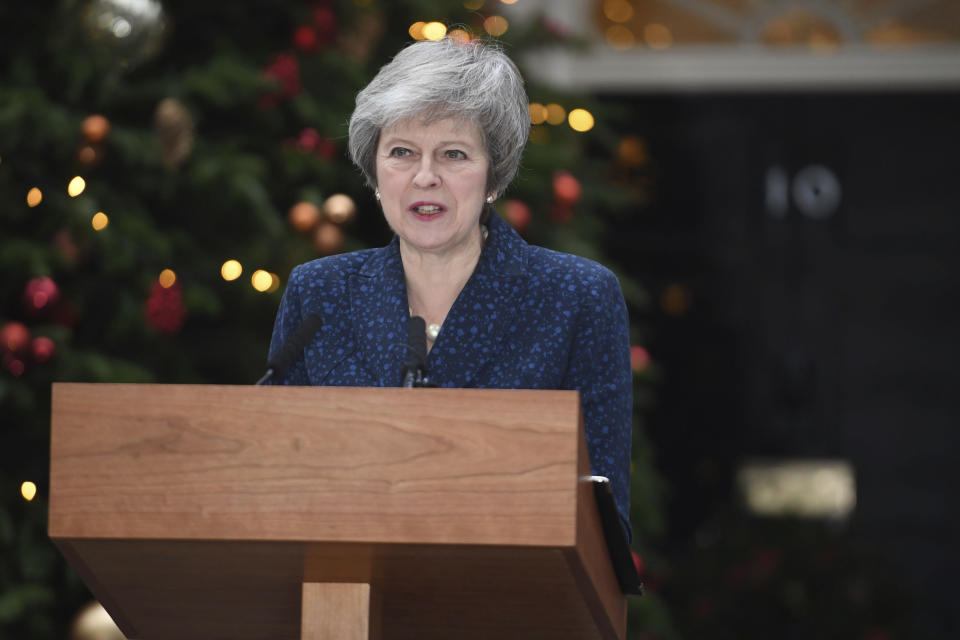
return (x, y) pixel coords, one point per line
(436, 79)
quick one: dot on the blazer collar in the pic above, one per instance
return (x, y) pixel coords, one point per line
(474, 327)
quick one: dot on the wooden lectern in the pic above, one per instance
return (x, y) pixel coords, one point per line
(242, 513)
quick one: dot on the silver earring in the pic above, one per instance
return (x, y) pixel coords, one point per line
(490, 199)
(376, 194)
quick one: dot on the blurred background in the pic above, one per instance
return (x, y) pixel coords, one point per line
(774, 182)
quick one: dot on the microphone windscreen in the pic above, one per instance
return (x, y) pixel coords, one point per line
(417, 340)
(294, 345)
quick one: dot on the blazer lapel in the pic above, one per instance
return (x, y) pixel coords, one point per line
(483, 312)
(379, 314)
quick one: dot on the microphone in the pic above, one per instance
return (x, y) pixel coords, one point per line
(296, 343)
(415, 369)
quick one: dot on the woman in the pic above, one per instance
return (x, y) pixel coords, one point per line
(439, 134)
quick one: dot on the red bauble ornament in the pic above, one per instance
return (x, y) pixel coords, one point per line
(42, 348)
(639, 358)
(164, 308)
(40, 295)
(14, 337)
(95, 128)
(517, 213)
(308, 139)
(285, 70)
(305, 39)
(566, 188)
(13, 364)
(325, 21)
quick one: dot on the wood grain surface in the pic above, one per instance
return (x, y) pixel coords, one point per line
(200, 511)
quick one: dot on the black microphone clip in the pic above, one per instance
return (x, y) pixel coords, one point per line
(415, 368)
(295, 344)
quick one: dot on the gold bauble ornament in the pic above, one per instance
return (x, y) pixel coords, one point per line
(339, 208)
(304, 216)
(328, 238)
(94, 623)
(174, 126)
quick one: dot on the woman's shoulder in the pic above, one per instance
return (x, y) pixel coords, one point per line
(568, 271)
(335, 267)
(330, 272)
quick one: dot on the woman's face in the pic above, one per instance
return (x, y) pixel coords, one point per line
(432, 179)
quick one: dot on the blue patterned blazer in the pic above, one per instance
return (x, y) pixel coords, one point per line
(528, 318)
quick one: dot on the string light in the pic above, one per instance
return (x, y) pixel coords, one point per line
(472, 5)
(261, 280)
(274, 283)
(496, 25)
(99, 221)
(538, 113)
(34, 197)
(555, 113)
(434, 31)
(580, 120)
(459, 35)
(231, 270)
(657, 36)
(617, 10)
(508, 1)
(167, 278)
(28, 490)
(416, 30)
(76, 186)
(619, 37)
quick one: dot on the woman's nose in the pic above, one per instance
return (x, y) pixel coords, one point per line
(426, 176)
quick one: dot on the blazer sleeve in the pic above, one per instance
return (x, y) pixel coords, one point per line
(600, 369)
(289, 317)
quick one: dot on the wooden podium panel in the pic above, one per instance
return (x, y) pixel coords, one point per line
(201, 511)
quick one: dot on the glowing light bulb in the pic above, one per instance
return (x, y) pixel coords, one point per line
(496, 25)
(459, 35)
(274, 283)
(28, 490)
(657, 36)
(34, 197)
(416, 30)
(261, 280)
(76, 186)
(231, 270)
(167, 278)
(580, 120)
(472, 5)
(617, 10)
(99, 221)
(434, 31)
(538, 113)
(555, 113)
(619, 37)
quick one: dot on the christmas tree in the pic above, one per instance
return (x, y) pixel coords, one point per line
(163, 166)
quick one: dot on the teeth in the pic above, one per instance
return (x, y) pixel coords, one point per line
(426, 209)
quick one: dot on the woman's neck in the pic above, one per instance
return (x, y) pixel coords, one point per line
(435, 280)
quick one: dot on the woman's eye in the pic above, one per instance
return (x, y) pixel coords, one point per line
(455, 154)
(399, 152)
